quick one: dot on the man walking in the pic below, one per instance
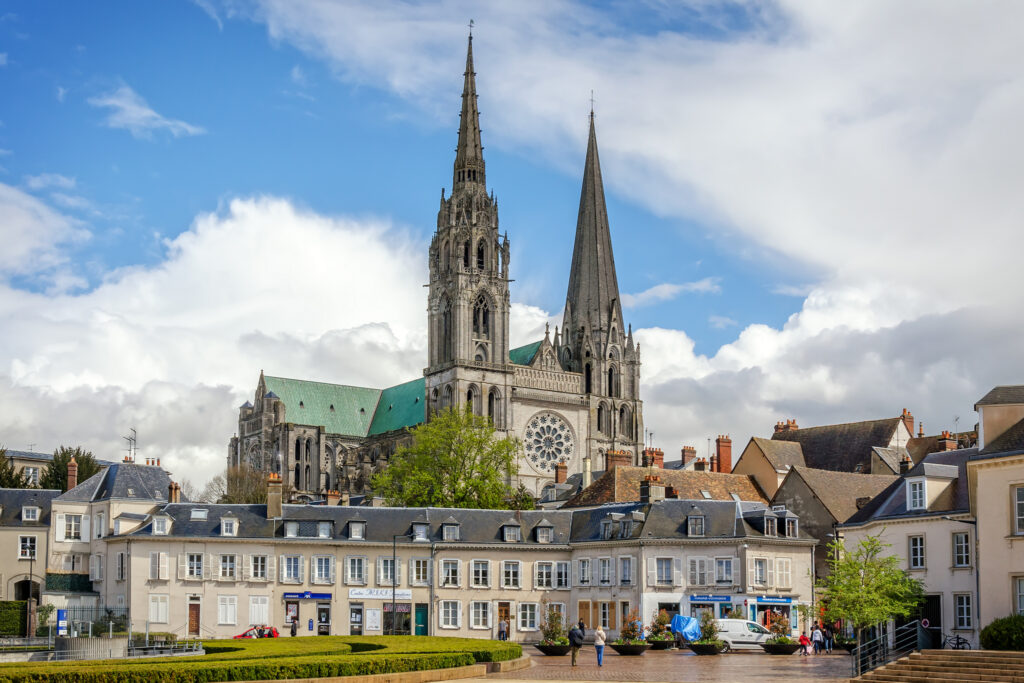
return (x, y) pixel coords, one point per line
(295, 627)
(502, 630)
(576, 635)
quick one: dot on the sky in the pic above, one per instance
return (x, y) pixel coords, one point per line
(815, 208)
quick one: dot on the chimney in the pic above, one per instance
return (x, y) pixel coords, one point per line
(904, 465)
(613, 459)
(587, 471)
(723, 449)
(561, 473)
(947, 442)
(779, 427)
(920, 430)
(333, 497)
(671, 492)
(700, 465)
(72, 474)
(275, 495)
(173, 493)
(908, 421)
(654, 457)
(651, 489)
(689, 454)
(344, 499)
(861, 502)
(713, 464)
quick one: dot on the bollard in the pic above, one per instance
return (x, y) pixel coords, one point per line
(110, 631)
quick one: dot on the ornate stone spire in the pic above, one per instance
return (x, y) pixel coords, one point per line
(469, 155)
(593, 286)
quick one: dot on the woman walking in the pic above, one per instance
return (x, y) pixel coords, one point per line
(599, 638)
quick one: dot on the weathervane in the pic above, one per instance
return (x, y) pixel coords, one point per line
(470, 28)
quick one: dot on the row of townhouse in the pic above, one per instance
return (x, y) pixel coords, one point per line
(213, 570)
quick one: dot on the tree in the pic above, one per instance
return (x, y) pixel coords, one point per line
(191, 492)
(55, 475)
(241, 485)
(9, 477)
(866, 588)
(454, 460)
(522, 499)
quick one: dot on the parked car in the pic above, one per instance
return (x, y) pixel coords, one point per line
(259, 632)
(740, 634)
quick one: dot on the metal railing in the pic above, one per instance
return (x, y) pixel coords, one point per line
(888, 646)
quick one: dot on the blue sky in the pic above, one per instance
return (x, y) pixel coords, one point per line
(814, 208)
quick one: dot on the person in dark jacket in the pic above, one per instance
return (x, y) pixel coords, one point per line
(295, 627)
(576, 635)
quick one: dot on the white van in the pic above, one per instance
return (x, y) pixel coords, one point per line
(740, 634)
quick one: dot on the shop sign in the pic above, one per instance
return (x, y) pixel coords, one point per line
(768, 600)
(373, 619)
(378, 594)
(307, 596)
(710, 598)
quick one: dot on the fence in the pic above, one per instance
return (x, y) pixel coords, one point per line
(887, 647)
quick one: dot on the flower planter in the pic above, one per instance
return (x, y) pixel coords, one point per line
(848, 646)
(661, 644)
(780, 648)
(630, 649)
(705, 648)
(554, 650)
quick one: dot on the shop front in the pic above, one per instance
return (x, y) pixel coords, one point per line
(315, 607)
(374, 611)
(769, 609)
(718, 605)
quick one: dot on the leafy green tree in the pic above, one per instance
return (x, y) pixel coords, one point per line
(522, 499)
(866, 588)
(55, 475)
(9, 477)
(454, 460)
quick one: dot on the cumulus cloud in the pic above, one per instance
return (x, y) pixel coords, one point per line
(720, 322)
(33, 234)
(667, 291)
(128, 110)
(45, 180)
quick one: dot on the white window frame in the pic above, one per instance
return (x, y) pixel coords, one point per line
(289, 562)
(697, 571)
(101, 527)
(32, 474)
(512, 533)
(229, 527)
(760, 575)
(583, 571)
(419, 571)
(23, 553)
(916, 494)
(771, 526)
(916, 555)
(604, 571)
(517, 574)
(626, 571)
(259, 606)
(160, 526)
(384, 577)
(291, 529)
(227, 567)
(725, 571)
(695, 526)
(72, 527)
(357, 530)
(351, 562)
(961, 549)
(323, 530)
(792, 527)
(450, 532)
(194, 570)
(544, 574)
(450, 579)
(421, 532)
(199, 514)
(480, 573)
(544, 534)
(562, 575)
(604, 613)
(159, 608)
(253, 565)
(480, 614)
(29, 513)
(319, 563)
(1018, 509)
(227, 610)
(450, 614)
(528, 615)
(659, 563)
(963, 611)
(1018, 582)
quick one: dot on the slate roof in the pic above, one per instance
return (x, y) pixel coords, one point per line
(12, 500)
(781, 454)
(523, 355)
(400, 406)
(892, 502)
(125, 481)
(841, 447)
(46, 457)
(890, 456)
(1010, 441)
(1003, 395)
(839, 491)
(622, 484)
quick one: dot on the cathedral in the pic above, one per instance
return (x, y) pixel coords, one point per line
(572, 398)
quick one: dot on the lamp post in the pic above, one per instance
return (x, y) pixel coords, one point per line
(31, 580)
(977, 568)
(394, 576)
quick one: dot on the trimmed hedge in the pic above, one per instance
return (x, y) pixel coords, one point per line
(265, 659)
(13, 615)
(1004, 634)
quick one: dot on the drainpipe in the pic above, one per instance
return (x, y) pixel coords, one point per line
(430, 605)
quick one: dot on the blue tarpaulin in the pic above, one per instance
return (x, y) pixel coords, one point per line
(687, 626)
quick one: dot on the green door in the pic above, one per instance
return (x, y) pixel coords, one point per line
(421, 620)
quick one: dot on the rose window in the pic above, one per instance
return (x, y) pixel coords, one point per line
(547, 441)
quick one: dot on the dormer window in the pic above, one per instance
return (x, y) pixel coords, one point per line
(450, 532)
(695, 525)
(606, 529)
(626, 528)
(229, 527)
(357, 530)
(791, 528)
(30, 513)
(160, 526)
(512, 534)
(544, 534)
(291, 529)
(323, 529)
(770, 526)
(199, 514)
(419, 532)
(915, 495)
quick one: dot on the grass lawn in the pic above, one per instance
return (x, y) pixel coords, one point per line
(271, 659)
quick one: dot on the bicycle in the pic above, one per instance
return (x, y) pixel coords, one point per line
(955, 642)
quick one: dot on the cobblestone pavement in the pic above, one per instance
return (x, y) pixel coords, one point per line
(684, 666)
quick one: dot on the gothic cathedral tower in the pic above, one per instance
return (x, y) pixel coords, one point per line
(468, 302)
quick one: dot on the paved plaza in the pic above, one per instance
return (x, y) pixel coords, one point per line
(682, 665)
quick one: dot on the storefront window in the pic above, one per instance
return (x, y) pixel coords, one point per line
(403, 623)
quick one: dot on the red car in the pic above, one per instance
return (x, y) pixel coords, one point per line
(260, 632)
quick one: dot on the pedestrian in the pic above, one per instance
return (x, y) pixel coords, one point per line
(576, 640)
(502, 630)
(295, 627)
(804, 644)
(829, 637)
(582, 626)
(599, 644)
(818, 638)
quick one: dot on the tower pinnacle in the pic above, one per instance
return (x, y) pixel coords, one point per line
(469, 155)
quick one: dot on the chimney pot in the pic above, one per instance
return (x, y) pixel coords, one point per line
(275, 496)
(561, 473)
(723, 455)
(72, 473)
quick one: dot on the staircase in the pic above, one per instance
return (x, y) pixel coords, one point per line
(946, 666)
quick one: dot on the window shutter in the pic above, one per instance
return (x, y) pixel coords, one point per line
(736, 571)
(302, 571)
(536, 575)
(611, 615)
(693, 571)
(769, 565)
(398, 571)
(677, 571)
(331, 563)
(271, 568)
(346, 577)
(246, 567)
(92, 567)
(575, 577)
(182, 565)
(490, 582)
(85, 528)
(163, 566)
(611, 571)
(99, 567)
(750, 572)
(59, 529)
(458, 613)
(490, 615)
(652, 571)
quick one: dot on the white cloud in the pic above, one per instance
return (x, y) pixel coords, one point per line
(45, 180)
(128, 110)
(210, 11)
(667, 291)
(720, 322)
(298, 76)
(34, 235)
(61, 92)
(3, 59)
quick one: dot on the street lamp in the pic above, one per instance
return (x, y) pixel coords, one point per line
(394, 576)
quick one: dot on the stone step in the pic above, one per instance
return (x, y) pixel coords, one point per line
(881, 676)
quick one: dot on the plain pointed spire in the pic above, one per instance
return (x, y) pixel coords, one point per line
(593, 286)
(469, 154)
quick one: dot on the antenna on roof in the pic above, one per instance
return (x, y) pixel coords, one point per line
(956, 429)
(31, 448)
(133, 447)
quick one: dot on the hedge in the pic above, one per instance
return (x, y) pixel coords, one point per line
(1004, 634)
(266, 659)
(13, 615)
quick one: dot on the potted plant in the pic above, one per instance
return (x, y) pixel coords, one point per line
(780, 643)
(631, 637)
(708, 643)
(658, 633)
(847, 643)
(554, 641)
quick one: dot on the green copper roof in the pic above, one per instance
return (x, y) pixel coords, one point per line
(524, 354)
(339, 409)
(400, 406)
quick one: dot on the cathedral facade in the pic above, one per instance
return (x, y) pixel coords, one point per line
(571, 397)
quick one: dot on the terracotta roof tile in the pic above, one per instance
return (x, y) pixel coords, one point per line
(622, 485)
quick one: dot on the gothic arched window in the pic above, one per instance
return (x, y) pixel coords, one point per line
(446, 331)
(587, 379)
(602, 419)
(481, 317)
(465, 254)
(625, 422)
(481, 255)
(447, 401)
(613, 381)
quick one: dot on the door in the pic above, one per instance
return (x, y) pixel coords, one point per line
(193, 618)
(504, 614)
(421, 620)
(323, 619)
(355, 620)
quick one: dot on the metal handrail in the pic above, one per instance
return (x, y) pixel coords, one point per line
(879, 651)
